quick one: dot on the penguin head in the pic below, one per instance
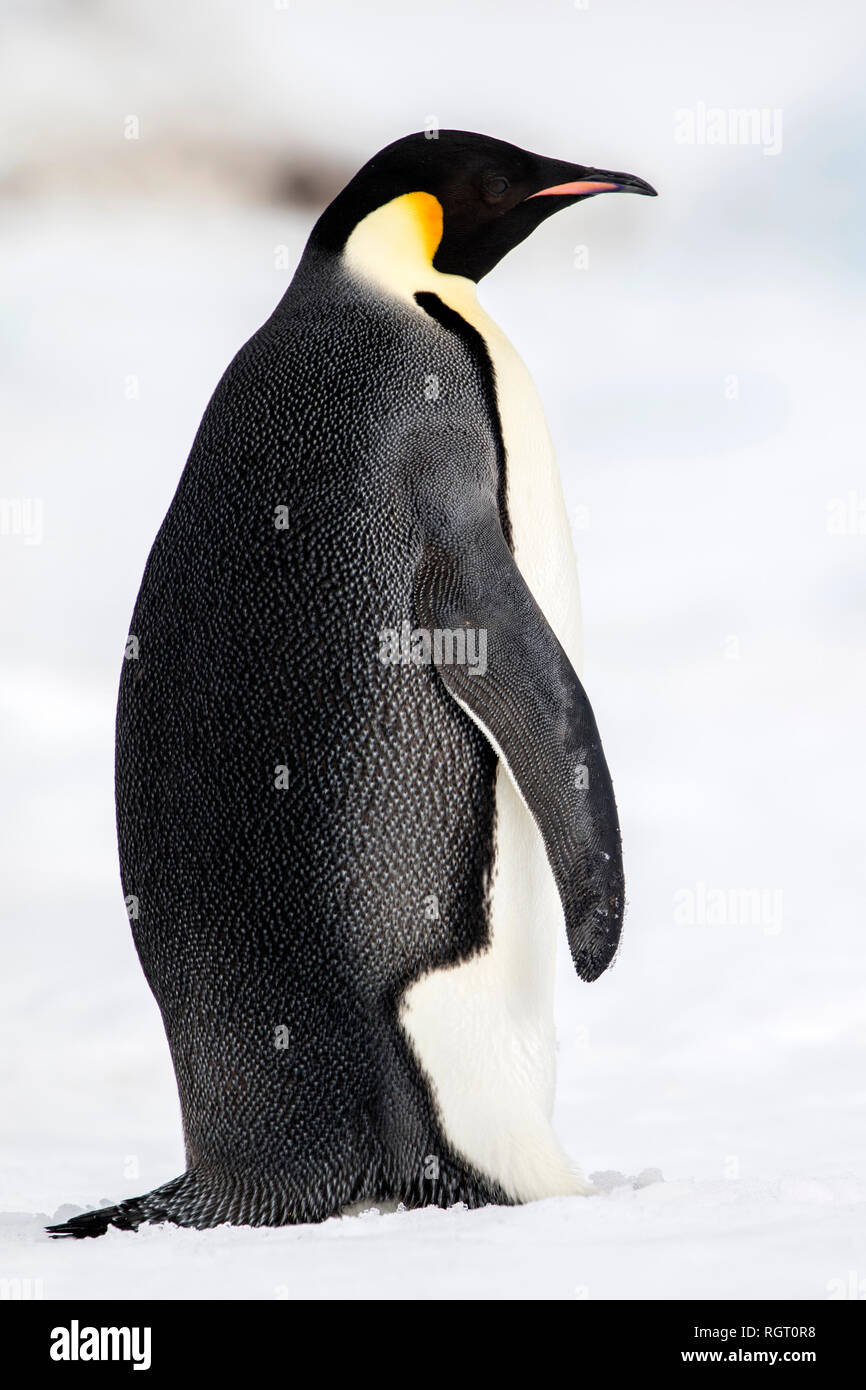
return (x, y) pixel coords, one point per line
(463, 200)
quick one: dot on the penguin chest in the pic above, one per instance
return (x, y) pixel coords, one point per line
(540, 530)
(483, 1031)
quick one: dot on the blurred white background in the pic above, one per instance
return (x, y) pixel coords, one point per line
(701, 360)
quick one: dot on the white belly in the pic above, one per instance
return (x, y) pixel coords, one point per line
(483, 1032)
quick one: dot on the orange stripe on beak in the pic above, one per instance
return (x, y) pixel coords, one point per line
(583, 186)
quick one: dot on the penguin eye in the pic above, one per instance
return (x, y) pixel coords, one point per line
(495, 185)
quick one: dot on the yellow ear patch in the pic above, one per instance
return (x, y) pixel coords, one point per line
(395, 244)
(427, 213)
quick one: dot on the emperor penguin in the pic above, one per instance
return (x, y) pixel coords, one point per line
(359, 783)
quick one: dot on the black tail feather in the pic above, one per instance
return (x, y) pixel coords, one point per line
(185, 1201)
(206, 1197)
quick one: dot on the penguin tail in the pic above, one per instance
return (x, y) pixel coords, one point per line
(184, 1201)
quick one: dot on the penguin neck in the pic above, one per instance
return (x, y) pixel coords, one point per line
(393, 247)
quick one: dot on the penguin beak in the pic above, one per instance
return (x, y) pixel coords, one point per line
(593, 181)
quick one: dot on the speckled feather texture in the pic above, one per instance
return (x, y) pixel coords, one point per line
(289, 804)
(303, 907)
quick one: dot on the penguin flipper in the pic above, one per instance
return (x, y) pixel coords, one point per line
(528, 701)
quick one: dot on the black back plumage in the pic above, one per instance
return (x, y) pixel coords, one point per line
(306, 906)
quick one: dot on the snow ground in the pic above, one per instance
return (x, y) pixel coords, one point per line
(711, 1239)
(724, 659)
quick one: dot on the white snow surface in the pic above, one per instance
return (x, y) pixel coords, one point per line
(724, 643)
